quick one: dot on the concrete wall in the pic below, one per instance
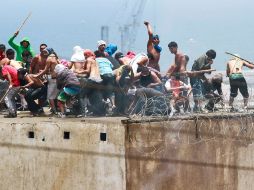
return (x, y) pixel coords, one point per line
(186, 153)
(50, 162)
(195, 154)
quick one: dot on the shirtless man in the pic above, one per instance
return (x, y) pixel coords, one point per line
(237, 80)
(201, 64)
(94, 84)
(34, 89)
(78, 62)
(179, 65)
(39, 61)
(153, 48)
(51, 62)
(92, 68)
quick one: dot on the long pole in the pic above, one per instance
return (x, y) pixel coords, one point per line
(238, 57)
(24, 22)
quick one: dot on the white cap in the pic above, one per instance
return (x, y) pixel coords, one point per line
(78, 54)
(59, 68)
(101, 42)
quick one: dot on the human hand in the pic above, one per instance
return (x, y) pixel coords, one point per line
(146, 23)
(16, 33)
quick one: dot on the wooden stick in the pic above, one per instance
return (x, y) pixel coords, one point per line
(5, 94)
(238, 57)
(200, 72)
(24, 22)
(193, 72)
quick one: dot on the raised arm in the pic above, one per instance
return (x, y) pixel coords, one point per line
(150, 34)
(12, 43)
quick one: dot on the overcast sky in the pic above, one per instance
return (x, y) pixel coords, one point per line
(196, 25)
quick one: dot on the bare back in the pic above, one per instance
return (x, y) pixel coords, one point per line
(52, 62)
(180, 62)
(37, 82)
(79, 68)
(235, 66)
(94, 72)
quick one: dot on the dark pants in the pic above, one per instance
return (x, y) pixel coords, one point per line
(93, 91)
(239, 83)
(121, 101)
(33, 94)
(79, 106)
(108, 84)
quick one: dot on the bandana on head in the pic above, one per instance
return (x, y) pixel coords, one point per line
(156, 36)
(101, 42)
(130, 54)
(111, 49)
(59, 68)
(78, 55)
(49, 50)
(89, 53)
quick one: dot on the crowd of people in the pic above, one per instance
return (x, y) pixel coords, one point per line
(106, 81)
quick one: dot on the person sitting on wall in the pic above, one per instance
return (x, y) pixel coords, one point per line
(176, 88)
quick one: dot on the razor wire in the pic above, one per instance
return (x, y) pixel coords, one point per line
(220, 126)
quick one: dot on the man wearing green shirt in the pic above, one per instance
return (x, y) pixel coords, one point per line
(204, 62)
(20, 48)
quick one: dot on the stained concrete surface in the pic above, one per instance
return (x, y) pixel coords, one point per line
(50, 162)
(196, 152)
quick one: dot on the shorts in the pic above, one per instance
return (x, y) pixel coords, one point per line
(67, 93)
(197, 88)
(239, 83)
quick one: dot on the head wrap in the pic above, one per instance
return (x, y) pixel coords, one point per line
(131, 54)
(59, 68)
(111, 49)
(49, 50)
(78, 55)
(101, 42)
(156, 36)
(119, 55)
(64, 62)
(89, 53)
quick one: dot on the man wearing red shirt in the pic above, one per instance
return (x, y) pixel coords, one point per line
(10, 74)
